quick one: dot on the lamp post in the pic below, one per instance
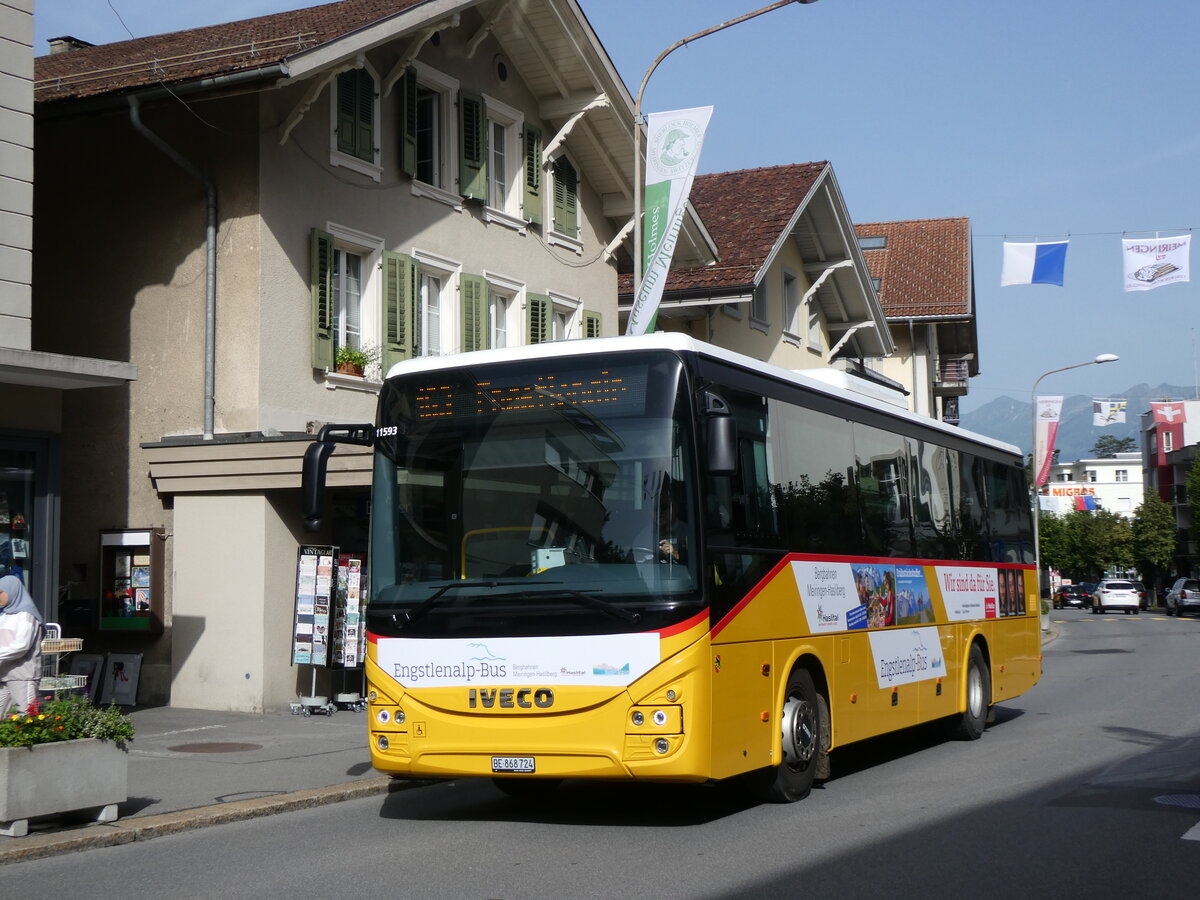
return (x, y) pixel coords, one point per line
(637, 127)
(1033, 488)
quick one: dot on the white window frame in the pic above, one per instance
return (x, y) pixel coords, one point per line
(816, 338)
(1121, 475)
(514, 293)
(572, 308)
(1168, 442)
(793, 303)
(446, 87)
(339, 158)
(446, 271)
(370, 314)
(553, 236)
(513, 121)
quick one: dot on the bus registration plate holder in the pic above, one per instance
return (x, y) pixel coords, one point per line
(508, 764)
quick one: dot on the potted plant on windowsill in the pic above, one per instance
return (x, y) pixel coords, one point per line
(62, 756)
(349, 360)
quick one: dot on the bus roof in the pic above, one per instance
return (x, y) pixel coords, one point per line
(680, 343)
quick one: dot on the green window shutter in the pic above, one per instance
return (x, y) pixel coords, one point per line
(321, 287)
(473, 296)
(399, 304)
(566, 200)
(365, 144)
(591, 324)
(347, 109)
(532, 203)
(407, 91)
(472, 155)
(538, 309)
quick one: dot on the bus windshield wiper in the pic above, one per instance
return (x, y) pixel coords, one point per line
(405, 619)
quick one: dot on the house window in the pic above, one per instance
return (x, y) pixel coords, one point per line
(1090, 475)
(347, 299)
(429, 315)
(758, 307)
(873, 242)
(499, 308)
(427, 148)
(791, 305)
(354, 112)
(1168, 442)
(565, 319)
(344, 291)
(1122, 475)
(498, 174)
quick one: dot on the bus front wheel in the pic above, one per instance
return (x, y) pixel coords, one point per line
(970, 724)
(805, 726)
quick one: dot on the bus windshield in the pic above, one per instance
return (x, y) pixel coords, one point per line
(534, 498)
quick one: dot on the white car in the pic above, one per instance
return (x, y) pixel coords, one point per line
(1114, 594)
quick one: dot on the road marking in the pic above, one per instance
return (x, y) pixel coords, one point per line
(1193, 833)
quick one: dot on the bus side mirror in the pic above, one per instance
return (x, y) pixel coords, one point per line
(721, 434)
(316, 462)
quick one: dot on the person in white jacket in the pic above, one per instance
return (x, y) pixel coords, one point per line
(20, 645)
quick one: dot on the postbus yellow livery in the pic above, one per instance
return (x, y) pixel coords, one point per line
(652, 559)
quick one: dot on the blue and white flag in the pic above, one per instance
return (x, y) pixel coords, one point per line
(1034, 263)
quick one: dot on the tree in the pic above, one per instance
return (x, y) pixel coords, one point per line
(1107, 446)
(1085, 544)
(1193, 496)
(1153, 536)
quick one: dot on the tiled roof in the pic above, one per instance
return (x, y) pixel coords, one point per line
(745, 212)
(925, 270)
(201, 52)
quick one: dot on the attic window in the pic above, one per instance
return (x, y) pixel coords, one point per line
(873, 242)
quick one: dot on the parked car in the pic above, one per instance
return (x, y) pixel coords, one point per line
(1184, 596)
(1071, 595)
(1143, 595)
(1112, 593)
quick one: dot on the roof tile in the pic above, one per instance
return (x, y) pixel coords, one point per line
(925, 270)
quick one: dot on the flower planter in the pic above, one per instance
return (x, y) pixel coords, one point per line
(67, 776)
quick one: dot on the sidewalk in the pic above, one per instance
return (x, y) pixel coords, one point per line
(189, 768)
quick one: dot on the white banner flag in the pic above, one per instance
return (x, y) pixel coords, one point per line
(1151, 263)
(673, 141)
(1108, 412)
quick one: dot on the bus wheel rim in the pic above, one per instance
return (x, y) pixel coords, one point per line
(974, 692)
(799, 732)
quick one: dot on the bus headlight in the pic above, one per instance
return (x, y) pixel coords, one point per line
(381, 742)
(638, 718)
(662, 745)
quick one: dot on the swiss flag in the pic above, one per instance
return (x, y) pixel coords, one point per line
(1169, 413)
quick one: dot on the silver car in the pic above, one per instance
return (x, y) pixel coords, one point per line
(1184, 596)
(1113, 594)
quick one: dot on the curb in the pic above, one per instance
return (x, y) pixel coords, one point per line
(38, 846)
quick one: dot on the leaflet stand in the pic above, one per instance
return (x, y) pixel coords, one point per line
(310, 638)
(314, 702)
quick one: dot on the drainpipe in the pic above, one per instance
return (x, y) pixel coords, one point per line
(210, 261)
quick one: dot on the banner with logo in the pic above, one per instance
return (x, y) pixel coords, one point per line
(673, 142)
(1049, 409)
(1108, 412)
(1151, 263)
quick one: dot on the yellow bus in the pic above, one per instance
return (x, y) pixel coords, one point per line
(654, 559)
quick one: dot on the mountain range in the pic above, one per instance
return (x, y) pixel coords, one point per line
(1011, 420)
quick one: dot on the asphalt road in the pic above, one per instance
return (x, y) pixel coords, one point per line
(1087, 786)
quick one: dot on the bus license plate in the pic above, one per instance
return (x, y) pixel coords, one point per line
(512, 763)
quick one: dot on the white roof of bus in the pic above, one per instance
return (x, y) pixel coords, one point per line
(678, 343)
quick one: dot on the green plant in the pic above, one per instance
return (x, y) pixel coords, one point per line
(67, 719)
(359, 357)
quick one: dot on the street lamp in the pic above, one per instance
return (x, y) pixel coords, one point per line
(637, 127)
(1033, 487)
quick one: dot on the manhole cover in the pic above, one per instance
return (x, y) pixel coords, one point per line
(1188, 801)
(214, 748)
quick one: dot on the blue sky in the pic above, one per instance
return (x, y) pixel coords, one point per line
(1037, 120)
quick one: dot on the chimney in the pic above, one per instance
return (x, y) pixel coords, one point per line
(66, 43)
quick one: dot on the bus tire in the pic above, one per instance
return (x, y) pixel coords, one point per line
(805, 724)
(969, 725)
(530, 789)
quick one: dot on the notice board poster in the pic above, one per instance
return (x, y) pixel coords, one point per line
(314, 594)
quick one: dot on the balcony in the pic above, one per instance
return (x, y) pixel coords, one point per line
(951, 377)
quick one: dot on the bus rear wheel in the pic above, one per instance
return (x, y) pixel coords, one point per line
(970, 724)
(805, 726)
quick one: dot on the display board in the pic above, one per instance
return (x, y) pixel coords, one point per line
(314, 593)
